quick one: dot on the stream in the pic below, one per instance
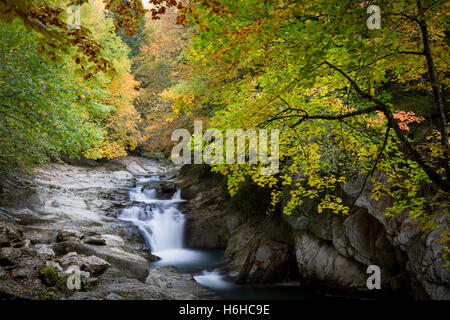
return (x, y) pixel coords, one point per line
(163, 225)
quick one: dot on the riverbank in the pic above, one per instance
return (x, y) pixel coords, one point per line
(63, 220)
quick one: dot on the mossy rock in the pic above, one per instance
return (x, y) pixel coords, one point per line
(49, 276)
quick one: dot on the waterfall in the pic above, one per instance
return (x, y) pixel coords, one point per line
(160, 221)
(163, 227)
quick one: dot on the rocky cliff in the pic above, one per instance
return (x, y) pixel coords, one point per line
(325, 251)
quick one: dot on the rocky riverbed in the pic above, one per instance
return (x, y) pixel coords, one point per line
(63, 220)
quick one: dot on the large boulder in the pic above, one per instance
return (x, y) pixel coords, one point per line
(129, 264)
(94, 264)
(10, 235)
(9, 256)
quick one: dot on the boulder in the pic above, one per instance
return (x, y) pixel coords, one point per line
(71, 258)
(95, 240)
(113, 240)
(68, 235)
(10, 236)
(45, 251)
(71, 270)
(54, 265)
(49, 276)
(319, 261)
(130, 265)
(94, 264)
(9, 256)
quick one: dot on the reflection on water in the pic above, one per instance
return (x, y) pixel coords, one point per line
(190, 260)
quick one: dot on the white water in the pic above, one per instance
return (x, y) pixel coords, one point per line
(162, 226)
(161, 223)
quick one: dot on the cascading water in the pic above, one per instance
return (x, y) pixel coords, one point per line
(163, 227)
(159, 220)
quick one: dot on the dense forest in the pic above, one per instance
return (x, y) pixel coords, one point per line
(349, 99)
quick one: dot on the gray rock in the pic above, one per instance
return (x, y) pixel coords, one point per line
(94, 264)
(71, 258)
(45, 251)
(55, 204)
(21, 273)
(10, 236)
(95, 240)
(68, 235)
(9, 256)
(113, 240)
(320, 261)
(54, 265)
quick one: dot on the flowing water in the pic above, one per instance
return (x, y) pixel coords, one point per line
(163, 226)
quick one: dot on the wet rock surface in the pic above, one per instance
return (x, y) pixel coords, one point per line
(324, 251)
(60, 236)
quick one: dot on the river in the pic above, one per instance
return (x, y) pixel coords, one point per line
(163, 226)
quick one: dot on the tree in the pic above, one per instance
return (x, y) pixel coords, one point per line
(347, 99)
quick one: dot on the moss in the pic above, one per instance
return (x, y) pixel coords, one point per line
(49, 275)
(61, 284)
(126, 249)
(95, 224)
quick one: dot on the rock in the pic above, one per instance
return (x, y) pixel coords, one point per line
(21, 273)
(45, 251)
(9, 256)
(194, 179)
(3, 274)
(130, 265)
(74, 269)
(54, 265)
(49, 276)
(321, 262)
(91, 282)
(71, 258)
(68, 235)
(94, 264)
(113, 240)
(10, 236)
(95, 240)
(114, 296)
(55, 204)
(168, 187)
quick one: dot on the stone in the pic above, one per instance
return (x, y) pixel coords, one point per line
(49, 276)
(55, 204)
(129, 264)
(10, 236)
(168, 187)
(95, 240)
(113, 240)
(21, 273)
(72, 269)
(114, 296)
(9, 256)
(55, 265)
(94, 264)
(45, 251)
(71, 258)
(319, 261)
(3, 274)
(68, 235)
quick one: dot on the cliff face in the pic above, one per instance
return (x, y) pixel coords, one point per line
(325, 251)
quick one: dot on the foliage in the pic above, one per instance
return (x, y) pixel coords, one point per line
(39, 109)
(316, 72)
